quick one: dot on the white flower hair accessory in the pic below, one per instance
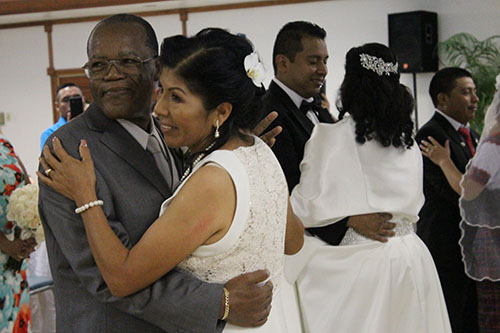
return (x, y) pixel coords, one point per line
(377, 65)
(254, 69)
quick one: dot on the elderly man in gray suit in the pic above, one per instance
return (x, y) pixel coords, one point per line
(117, 127)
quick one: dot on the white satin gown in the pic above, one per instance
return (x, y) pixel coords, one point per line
(363, 285)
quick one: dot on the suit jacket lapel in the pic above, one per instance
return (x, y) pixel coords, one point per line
(295, 113)
(117, 139)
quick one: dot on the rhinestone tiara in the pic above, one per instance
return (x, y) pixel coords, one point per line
(377, 65)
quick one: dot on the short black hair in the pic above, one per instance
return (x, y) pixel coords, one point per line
(63, 86)
(289, 39)
(151, 40)
(445, 80)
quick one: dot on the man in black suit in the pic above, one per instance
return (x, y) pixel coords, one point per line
(454, 95)
(299, 59)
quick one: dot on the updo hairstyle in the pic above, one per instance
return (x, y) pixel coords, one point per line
(380, 106)
(211, 65)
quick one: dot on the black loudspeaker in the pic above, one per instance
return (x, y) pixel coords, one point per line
(413, 38)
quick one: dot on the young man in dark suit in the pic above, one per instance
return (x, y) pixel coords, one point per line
(300, 60)
(454, 95)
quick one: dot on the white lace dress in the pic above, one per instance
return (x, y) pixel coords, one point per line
(256, 237)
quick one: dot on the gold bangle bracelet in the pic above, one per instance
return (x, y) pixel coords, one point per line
(226, 304)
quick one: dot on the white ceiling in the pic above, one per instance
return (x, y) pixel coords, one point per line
(110, 10)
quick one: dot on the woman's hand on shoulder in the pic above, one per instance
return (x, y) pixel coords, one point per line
(73, 178)
(434, 151)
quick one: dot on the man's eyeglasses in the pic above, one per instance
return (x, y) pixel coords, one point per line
(99, 68)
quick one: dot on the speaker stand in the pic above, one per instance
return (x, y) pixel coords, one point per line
(415, 99)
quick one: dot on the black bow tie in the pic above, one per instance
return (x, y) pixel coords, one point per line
(310, 106)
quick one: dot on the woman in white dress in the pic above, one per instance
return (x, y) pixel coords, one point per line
(231, 214)
(367, 163)
(479, 190)
(480, 210)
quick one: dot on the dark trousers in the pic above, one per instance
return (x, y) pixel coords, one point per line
(461, 299)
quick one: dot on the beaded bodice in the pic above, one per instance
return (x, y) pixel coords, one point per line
(260, 218)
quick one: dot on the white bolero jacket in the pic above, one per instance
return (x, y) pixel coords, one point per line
(340, 177)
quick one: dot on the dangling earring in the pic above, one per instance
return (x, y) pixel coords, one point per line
(217, 129)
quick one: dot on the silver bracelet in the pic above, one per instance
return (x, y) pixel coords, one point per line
(83, 208)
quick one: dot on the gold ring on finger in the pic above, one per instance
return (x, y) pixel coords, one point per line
(48, 171)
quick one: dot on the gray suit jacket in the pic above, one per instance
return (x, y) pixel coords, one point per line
(132, 189)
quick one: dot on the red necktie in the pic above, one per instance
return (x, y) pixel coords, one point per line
(465, 133)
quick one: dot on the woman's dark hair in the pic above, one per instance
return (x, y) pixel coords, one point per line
(380, 106)
(211, 65)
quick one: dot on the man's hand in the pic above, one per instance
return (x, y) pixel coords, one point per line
(249, 299)
(270, 137)
(17, 249)
(374, 226)
(28, 246)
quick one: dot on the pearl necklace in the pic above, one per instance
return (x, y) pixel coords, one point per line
(196, 161)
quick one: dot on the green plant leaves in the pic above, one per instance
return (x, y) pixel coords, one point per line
(482, 59)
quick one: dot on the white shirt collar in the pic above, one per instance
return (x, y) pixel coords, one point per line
(296, 98)
(456, 124)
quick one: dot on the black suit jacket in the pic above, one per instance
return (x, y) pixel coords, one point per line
(439, 225)
(289, 147)
(440, 216)
(297, 128)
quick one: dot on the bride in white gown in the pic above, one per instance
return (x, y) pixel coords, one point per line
(231, 214)
(366, 163)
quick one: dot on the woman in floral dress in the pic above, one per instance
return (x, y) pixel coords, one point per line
(15, 314)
